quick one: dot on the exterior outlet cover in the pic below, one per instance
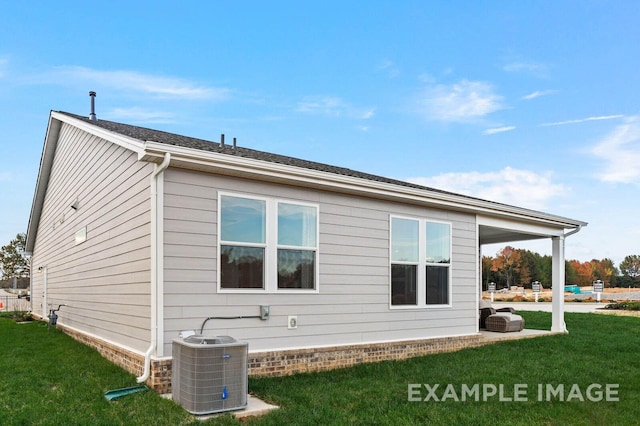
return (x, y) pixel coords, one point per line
(264, 312)
(292, 322)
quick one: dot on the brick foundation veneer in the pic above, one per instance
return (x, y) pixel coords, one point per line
(160, 376)
(281, 363)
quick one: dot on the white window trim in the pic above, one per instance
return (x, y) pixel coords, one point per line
(421, 276)
(271, 246)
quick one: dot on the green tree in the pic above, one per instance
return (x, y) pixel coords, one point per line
(630, 266)
(545, 269)
(530, 269)
(13, 261)
(507, 263)
(571, 276)
(604, 270)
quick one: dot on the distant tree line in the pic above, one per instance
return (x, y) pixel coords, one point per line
(518, 267)
(14, 264)
(509, 267)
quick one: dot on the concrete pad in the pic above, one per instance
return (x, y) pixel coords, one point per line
(255, 407)
(494, 336)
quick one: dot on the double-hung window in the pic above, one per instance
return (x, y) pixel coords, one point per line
(267, 244)
(242, 242)
(297, 246)
(420, 262)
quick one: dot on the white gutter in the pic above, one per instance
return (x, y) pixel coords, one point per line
(575, 231)
(243, 166)
(156, 264)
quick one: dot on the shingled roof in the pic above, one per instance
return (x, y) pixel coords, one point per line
(145, 134)
(391, 188)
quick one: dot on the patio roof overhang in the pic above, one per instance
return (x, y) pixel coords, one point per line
(492, 235)
(495, 230)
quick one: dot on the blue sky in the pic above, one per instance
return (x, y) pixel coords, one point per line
(529, 103)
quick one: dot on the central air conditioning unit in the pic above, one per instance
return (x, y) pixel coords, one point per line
(209, 374)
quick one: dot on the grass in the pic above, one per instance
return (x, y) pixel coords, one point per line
(47, 378)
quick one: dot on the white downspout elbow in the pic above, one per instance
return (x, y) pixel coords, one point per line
(154, 267)
(573, 231)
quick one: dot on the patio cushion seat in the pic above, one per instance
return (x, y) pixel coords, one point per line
(485, 312)
(504, 322)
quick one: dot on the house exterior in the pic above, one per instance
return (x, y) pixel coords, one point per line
(144, 234)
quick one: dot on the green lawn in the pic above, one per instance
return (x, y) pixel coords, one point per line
(46, 378)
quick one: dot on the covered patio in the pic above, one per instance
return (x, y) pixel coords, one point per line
(493, 230)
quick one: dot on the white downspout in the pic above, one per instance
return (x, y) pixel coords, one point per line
(574, 231)
(155, 262)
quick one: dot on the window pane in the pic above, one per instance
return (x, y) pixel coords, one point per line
(438, 242)
(241, 267)
(297, 225)
(404, 240)
(296, 269)
(437, 285)
(403, 284)
(242, 219)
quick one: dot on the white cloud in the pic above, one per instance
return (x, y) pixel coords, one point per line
(529, 66)
(460, 102)
(582, 120)
(620, 152)
(495, 130)
(538, 93)
(333, 106)
(390, 68)
(134, 81)
(522, 188)
(140, 115)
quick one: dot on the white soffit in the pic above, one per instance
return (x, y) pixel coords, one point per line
(493, 230)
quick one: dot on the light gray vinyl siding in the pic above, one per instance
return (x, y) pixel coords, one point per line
(352, 305)
(104, 280)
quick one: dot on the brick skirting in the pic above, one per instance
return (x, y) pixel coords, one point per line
(160, 376)
(280, 363)
(286, 362)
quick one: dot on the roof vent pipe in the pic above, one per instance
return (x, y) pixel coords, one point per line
(222, 140)
(234, 143)
(92, 116)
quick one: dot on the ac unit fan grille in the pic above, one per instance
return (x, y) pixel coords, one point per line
(209, 378)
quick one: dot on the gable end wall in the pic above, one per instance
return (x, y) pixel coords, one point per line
(104, 280)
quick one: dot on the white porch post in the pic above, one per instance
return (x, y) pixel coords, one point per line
(557, 281)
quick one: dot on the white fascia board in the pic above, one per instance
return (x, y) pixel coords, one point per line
(127, 142)
(42, 181)
(48, 151)
(519, 226)
(236, 165)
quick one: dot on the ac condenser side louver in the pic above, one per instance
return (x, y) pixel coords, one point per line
(209, 374)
